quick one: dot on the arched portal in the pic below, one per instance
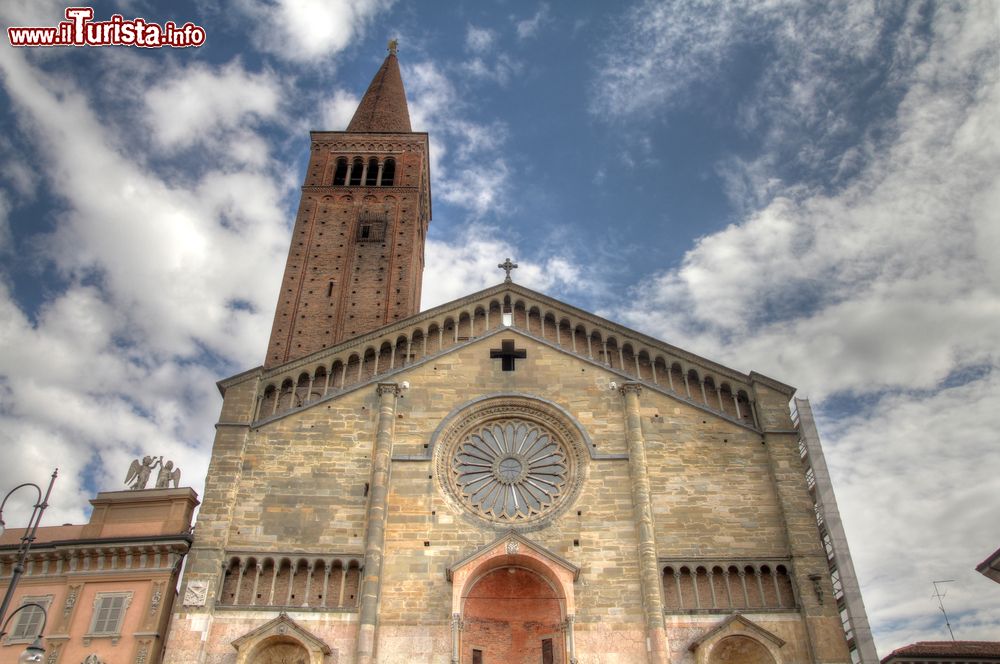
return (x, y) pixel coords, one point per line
(740, 650)
(512, 615)
(281, 653)
(513, 602)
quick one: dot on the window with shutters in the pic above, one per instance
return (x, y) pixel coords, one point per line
(29, 620)
(109, 610)
(547, 655)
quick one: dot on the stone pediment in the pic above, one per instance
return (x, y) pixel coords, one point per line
(281, 634)
(507, 308)
(508, 547)
(737, 639)
(512, 550)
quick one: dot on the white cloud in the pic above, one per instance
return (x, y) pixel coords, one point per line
(917, 463)
(501, 70)
(474, 175)
(5, 238)
(468, 263)
(32, 13)
(479, 39)
(193, 104)
(309, 30)
(337, 111)
(899, 264)
(160, 276)
(529, 27)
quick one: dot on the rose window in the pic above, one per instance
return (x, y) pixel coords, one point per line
(510, 470)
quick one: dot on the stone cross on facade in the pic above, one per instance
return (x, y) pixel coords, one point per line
(507, 354)
(507, 266)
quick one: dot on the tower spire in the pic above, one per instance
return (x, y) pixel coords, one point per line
(383, 108)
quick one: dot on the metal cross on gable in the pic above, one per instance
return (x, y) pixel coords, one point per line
(507, 354)
(507, 266)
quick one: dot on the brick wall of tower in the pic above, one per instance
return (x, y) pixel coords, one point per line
(338, 284)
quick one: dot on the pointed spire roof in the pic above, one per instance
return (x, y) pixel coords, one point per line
(383, 107)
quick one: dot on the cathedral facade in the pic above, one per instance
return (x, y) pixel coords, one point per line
(503, 478)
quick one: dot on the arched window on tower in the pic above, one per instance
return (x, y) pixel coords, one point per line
(371, 179)
(388, 172)
(340, 175)
(357, 169)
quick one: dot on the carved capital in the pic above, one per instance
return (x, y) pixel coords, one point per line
(388, 388)
(631, 388)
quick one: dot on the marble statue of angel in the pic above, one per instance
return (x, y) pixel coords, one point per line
(168, 474)
(138, 473)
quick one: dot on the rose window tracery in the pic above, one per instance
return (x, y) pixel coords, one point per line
(510, 470)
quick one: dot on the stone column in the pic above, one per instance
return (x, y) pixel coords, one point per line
(376, 516)
(649, 576)
(456, 638)
(571, 639)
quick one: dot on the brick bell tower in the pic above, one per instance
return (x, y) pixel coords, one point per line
(356, 258)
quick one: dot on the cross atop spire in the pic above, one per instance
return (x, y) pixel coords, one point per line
(383, 108)
(507, 266)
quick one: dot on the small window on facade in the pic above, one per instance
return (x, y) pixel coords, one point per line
(547, 657)
(109, 609)
(365, 231)
(388, 172)
(340, 175)
(477, 656)
(357, 169)
(29, 620)
(372, 178)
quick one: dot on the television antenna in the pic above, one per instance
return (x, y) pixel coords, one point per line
(940, 598)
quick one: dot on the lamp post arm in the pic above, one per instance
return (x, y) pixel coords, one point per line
(36, 515)
(26, 540)
(45, 618)
(14, 490)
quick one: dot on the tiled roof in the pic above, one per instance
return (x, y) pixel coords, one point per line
(383, 107)
(949, 649)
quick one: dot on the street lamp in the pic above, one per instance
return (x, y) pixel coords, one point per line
(35, 652)
(25, 546)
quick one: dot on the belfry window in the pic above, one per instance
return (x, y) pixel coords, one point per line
(388, 172)
(357, 171)
(340, 175)
(371, 179)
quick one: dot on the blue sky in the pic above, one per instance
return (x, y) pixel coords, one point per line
(808, 190)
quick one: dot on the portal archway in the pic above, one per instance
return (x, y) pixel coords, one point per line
(740, 650)
(513, 601)
(512, 614)
(288, 652)
(280, 641)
